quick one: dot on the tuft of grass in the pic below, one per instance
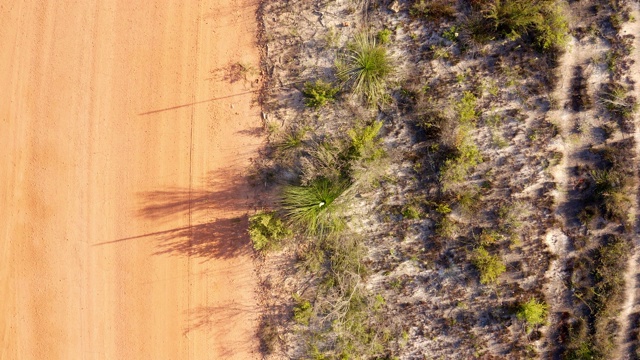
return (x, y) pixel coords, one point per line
(533, 312)
(314, 207)
(267, 231)
(489, 266)
(319, 93)
(365, 66)
(544, 20)
(292, 140)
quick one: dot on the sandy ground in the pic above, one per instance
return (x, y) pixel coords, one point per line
(125, 134)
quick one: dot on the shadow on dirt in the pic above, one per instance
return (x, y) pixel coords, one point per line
(213, 225)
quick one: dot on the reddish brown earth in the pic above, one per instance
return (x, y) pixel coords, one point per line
(125, 134)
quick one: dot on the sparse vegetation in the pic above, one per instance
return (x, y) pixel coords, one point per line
(475, 162)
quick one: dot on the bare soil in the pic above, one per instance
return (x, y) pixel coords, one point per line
(127, 128)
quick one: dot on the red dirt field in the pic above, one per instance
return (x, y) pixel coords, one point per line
(126, 134)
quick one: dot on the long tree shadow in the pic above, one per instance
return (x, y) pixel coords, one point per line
(214, 229)
(218, 239)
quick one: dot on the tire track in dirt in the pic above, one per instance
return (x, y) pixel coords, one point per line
(629, 318)
(575, 67)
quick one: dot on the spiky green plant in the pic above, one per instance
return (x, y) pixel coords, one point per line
(365, 67)
(314, 207)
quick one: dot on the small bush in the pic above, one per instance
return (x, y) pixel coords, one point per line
(489, 237)
(411, 212)
(384, 36)
(302, 311)
(364, 142)
(267, 231)
(319, 93)
(365, 66)
(314, 207)
(466, 108)
(533, 312)
(489, 266)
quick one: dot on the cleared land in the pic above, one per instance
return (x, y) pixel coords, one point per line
(126, 131)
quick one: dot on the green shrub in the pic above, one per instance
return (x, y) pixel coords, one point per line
(533, 312)
(314, 207)
(302, 311)
(267, 231)
(411, 212)
(553, 31)
(364, 142)
(384, 36)
(489, 266)
(489, 237)
(451, 33)
(466, 108)
(365, 66)
(318, 93)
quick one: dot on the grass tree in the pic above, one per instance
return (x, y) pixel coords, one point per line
(314, 207)
(365, 66)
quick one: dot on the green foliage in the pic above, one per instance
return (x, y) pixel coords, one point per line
(533, 312)
(466, 108)
(543, 19)
(365, 143)
(302, 311)
(489, 237)
(553, 31)
(365, 66)
(457, 168)
(318, 93)
(451, 33)
(489, 266)
(267, 230)
(314, 207)
(411, 212)
(384, 36)
(515, 17)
